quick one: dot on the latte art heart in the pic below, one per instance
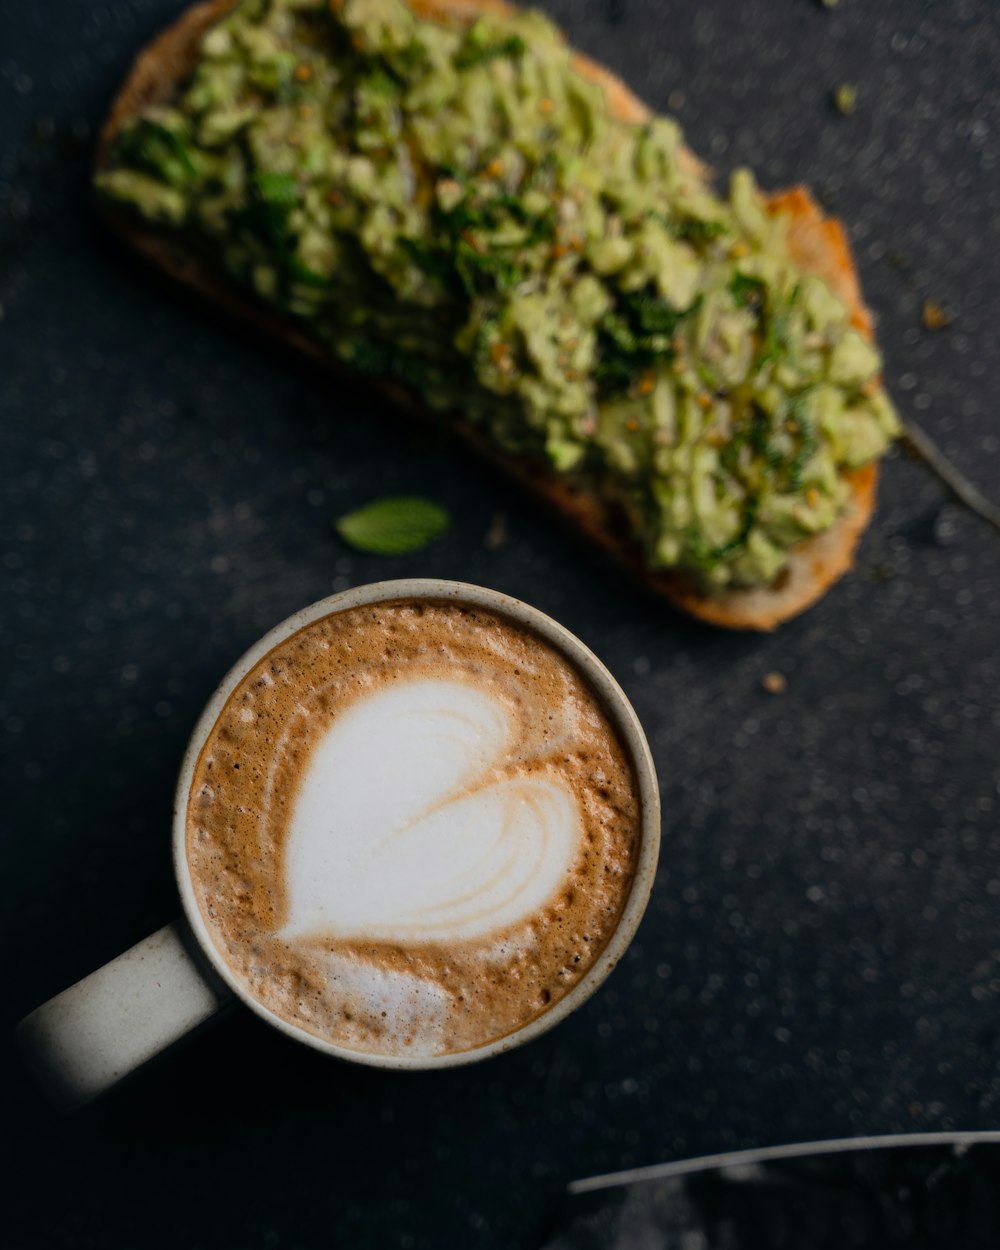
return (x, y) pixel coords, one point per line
(409, 824)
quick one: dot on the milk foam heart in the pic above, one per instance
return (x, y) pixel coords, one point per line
(410, 825)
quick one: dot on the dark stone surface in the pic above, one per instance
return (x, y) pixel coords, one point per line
(822, 953)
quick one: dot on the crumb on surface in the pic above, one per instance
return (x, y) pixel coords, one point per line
(934, 315)
(845, 98)
(496, 535)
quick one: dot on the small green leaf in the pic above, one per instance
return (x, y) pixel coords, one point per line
(394, 526)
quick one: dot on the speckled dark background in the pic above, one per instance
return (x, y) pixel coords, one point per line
(822, 952)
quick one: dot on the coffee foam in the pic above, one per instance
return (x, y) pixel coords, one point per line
(412, 1011)
(412, 828)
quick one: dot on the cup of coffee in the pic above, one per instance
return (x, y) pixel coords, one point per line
(416, 825)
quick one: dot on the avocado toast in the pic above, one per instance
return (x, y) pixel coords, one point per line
(683, 377)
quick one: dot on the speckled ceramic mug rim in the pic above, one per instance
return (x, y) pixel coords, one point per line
(616, 705)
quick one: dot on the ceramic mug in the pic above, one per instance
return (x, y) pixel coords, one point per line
(106, 1026)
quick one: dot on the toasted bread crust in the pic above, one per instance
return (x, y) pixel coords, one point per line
(819, 245)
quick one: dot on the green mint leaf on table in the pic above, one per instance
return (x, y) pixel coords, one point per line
(394, 526)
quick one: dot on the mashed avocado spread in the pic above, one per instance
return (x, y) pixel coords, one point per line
(458, 210)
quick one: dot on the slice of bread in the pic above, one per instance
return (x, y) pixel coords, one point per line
(819, 245)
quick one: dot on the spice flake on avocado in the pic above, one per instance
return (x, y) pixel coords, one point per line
(458, 210)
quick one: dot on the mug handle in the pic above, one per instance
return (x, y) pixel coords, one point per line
(100, 1030)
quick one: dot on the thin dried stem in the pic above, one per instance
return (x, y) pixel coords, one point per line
(927, 451)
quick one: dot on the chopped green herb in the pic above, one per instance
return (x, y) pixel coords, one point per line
(690, 229)
(753, 432)
(777, 334)
(272, 198)
(657, 317)
(305, 275)
(488, 214)
(635, 335)
(748, 291)
(434, 261)
(807, 444)
(382, 82)
(466, 254)
(278, 190)
(708, 557)
(700, 231)
(474, 53)
(544, 172)
(154, 146)
(394, 526)
(707, 376)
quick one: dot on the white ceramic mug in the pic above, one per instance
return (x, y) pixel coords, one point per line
(102, 1029)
